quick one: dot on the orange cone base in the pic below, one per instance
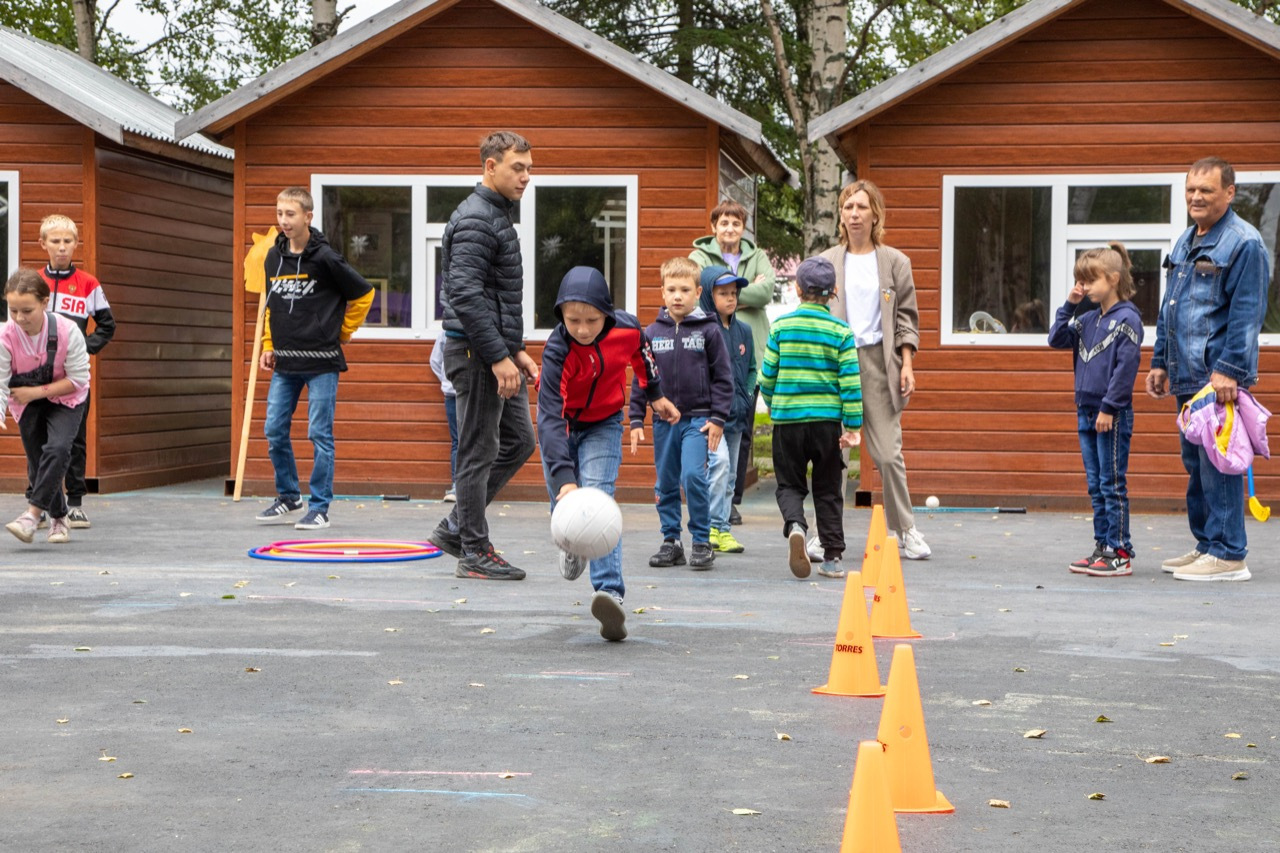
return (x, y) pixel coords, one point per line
(912, 636)
(826, 690)
(942, 806)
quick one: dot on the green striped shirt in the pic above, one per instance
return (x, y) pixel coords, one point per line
(810, 370)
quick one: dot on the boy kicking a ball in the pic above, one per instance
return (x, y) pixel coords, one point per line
(581, 394)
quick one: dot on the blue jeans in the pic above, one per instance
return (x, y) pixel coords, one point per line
(597, 451)
(1215, 503)
(451, 413)
(680, 452)
(282, 400)
(722, 471)
(1106, 465)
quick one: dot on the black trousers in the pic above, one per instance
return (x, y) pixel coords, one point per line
(744, 450)
(48, 433)
(795, 446)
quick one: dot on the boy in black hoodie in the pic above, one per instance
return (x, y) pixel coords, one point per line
(690, 351)
(315, 302)
(581, 393)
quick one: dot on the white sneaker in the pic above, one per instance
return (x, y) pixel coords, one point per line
(571, 566)
(1174, 563)
(797, 555)
(913, 545)
(815, 550)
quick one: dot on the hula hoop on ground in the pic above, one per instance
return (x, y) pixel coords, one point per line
(344, 551)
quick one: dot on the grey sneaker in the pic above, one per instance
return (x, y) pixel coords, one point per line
(1174, 563)
(797, 554)
(608, 610)
(77, 520)
(58, 532)
(280, 510)
(23, 527)
(450, 496)
(313, 520)
(831, 569)
(1211, 568)
(572, 566)
(670, 553)
(701, 557)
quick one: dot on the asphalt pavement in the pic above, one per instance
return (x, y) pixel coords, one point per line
(161, 691)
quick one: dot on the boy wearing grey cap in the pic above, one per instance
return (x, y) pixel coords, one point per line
(810, 383)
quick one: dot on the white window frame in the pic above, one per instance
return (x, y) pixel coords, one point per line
(15, 222)
(425, 236)
(1064, 236)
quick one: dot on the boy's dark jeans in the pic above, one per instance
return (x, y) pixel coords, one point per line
(1106, 467)
(48, 431)
(795, 445)
(495, 440)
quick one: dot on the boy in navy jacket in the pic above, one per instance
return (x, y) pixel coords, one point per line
(720, 289)
(581, 393)
(689, 348)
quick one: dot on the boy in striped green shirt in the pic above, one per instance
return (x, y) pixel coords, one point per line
(810, 384)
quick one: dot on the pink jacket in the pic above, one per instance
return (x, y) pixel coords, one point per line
(20, 362)
(1231, 434)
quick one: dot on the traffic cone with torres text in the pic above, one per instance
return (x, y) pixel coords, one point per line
(853, 659)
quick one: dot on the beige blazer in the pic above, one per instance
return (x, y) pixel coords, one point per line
(899, 318)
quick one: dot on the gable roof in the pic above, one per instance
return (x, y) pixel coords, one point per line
(1225, 15)
(96, 98)
(385, 25)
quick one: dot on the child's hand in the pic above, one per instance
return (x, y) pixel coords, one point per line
(1104, 422)
(713, 435)
(25, 394)
(665, 409)
(850, 438)
(637, 436)
(1076, 294)
(267, 361)
(566, 489)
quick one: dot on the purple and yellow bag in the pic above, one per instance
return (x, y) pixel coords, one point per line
(1231, 434)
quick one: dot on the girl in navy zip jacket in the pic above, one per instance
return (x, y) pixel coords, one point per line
(1106, 344)
(698, 379)
(581, 394)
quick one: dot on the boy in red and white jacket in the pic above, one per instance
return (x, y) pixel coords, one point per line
(78, 296)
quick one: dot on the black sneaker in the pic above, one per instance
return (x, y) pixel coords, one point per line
(701, 558)
(488, 565)
(280, 510)
(613, 620)
(735, 520)
(1083, 563)
(1111, 564)
(77, 520)
(446, 540)
(670, 554)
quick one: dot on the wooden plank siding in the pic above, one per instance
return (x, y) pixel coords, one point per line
(163, 394)
(420, 105)
(47, 150)
(1111, 86)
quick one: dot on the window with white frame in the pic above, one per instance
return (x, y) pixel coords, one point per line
(9, 219)
(1010, 242)
(740, 185)
(391, 228)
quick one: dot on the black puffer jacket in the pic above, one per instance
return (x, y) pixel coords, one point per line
(484, 276)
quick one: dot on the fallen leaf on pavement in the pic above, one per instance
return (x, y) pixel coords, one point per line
(1103, 718)
(982, 702)
(1157, 759)
(65, 720)
(459, 601)
(125, 776)
(745, 812)
(88, 649)
(252, 669)
(395, 681)
(476, 684)
(639, 610)
(1035, 733)
(184, 731)
(783, 736)
(1240, 776)
(1097, 795)
(998, 804)
(488, 631)
(742, 677)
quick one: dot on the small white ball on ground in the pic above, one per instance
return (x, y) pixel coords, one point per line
(932, 502)
(586, 523)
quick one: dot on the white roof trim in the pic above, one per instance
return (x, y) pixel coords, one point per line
(1246, 25)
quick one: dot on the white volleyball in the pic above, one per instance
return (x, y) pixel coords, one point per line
(931, 502)
(587, 523)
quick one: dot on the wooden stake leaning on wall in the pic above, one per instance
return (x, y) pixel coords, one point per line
(255, 281)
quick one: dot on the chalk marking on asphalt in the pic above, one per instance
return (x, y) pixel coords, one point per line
(503, 773)
(685, 610)
(464, 794)
(41, 651)
(343, 599)
(705, 624)
(561, 677)
(582, 672)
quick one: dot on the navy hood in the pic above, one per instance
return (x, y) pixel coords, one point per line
(587, 284)
(708, 282)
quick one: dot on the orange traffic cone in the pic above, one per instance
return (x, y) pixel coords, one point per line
(870, 825)
(853, 660)
(874, 552)
(906, 746)
(889, 616)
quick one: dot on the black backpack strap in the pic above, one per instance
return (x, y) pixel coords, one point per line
(51, 344)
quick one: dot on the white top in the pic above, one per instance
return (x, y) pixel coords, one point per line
(862, 298)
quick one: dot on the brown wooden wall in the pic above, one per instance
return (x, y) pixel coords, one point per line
(48, 150)
(1112, 86)
(421, 104)
(162, 404)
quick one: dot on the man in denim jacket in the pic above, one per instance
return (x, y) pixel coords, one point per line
(1215, 298)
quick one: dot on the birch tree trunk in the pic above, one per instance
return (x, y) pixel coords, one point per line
(826, 24)
(324, 20)
(86, 39)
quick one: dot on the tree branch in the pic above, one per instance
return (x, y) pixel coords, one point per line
(784, 70)
(837, 91)
(951, 19)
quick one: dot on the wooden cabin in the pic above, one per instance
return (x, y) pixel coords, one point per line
(383, 124)
(154, 219)
(1059, 127)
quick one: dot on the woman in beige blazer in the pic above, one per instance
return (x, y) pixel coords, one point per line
(876, 296)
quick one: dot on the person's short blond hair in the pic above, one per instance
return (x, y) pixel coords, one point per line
(680, 267)
(58, 222)
(299, 195)
(875, 198)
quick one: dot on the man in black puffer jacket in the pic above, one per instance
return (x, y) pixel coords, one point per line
(484, 354)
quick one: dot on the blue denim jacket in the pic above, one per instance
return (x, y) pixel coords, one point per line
(1214, 302)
